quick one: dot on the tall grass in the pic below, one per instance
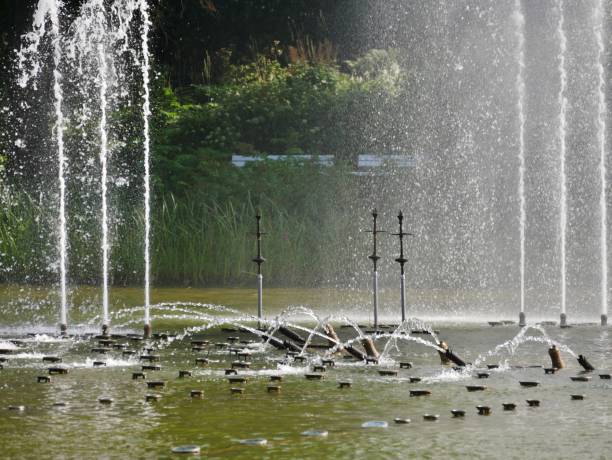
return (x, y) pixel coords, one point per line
(25, 245)
(195, 243)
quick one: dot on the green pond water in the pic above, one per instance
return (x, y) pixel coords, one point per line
(130, 427)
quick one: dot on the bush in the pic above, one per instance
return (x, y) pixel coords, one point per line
(263, 106)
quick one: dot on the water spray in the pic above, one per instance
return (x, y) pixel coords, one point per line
(146, 113)
(563, 147)
(519, 19)
(259, 260)
(402, 260)
(601, 142)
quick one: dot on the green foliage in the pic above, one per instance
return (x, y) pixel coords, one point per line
(263, 106)
(377, 64)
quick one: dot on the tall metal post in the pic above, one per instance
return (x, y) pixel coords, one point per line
(402, 260)
(259, 260)
(374, 258)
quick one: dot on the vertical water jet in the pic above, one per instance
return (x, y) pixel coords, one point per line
(29, 64)
(146, 113)
(104, 181)
(601, 144)
(519, 20)
(562, 100)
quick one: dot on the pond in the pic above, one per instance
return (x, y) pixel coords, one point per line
(302, 418)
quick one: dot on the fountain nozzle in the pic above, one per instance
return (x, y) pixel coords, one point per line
(63, 329)
(604, 320)
(555, 357)
(586, 365)
(148, 330)
(105, 329)
(522, 319)
(563, 320)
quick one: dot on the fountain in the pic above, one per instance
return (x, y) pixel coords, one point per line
(91, 49)
(96, 42)
(319, 350)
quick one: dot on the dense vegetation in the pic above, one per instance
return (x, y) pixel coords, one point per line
(267, 77)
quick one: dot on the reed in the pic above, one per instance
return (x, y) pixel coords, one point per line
(195, 243)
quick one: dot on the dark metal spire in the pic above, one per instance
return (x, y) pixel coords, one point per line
(401, 259)
(259, 259)
(374, 257)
